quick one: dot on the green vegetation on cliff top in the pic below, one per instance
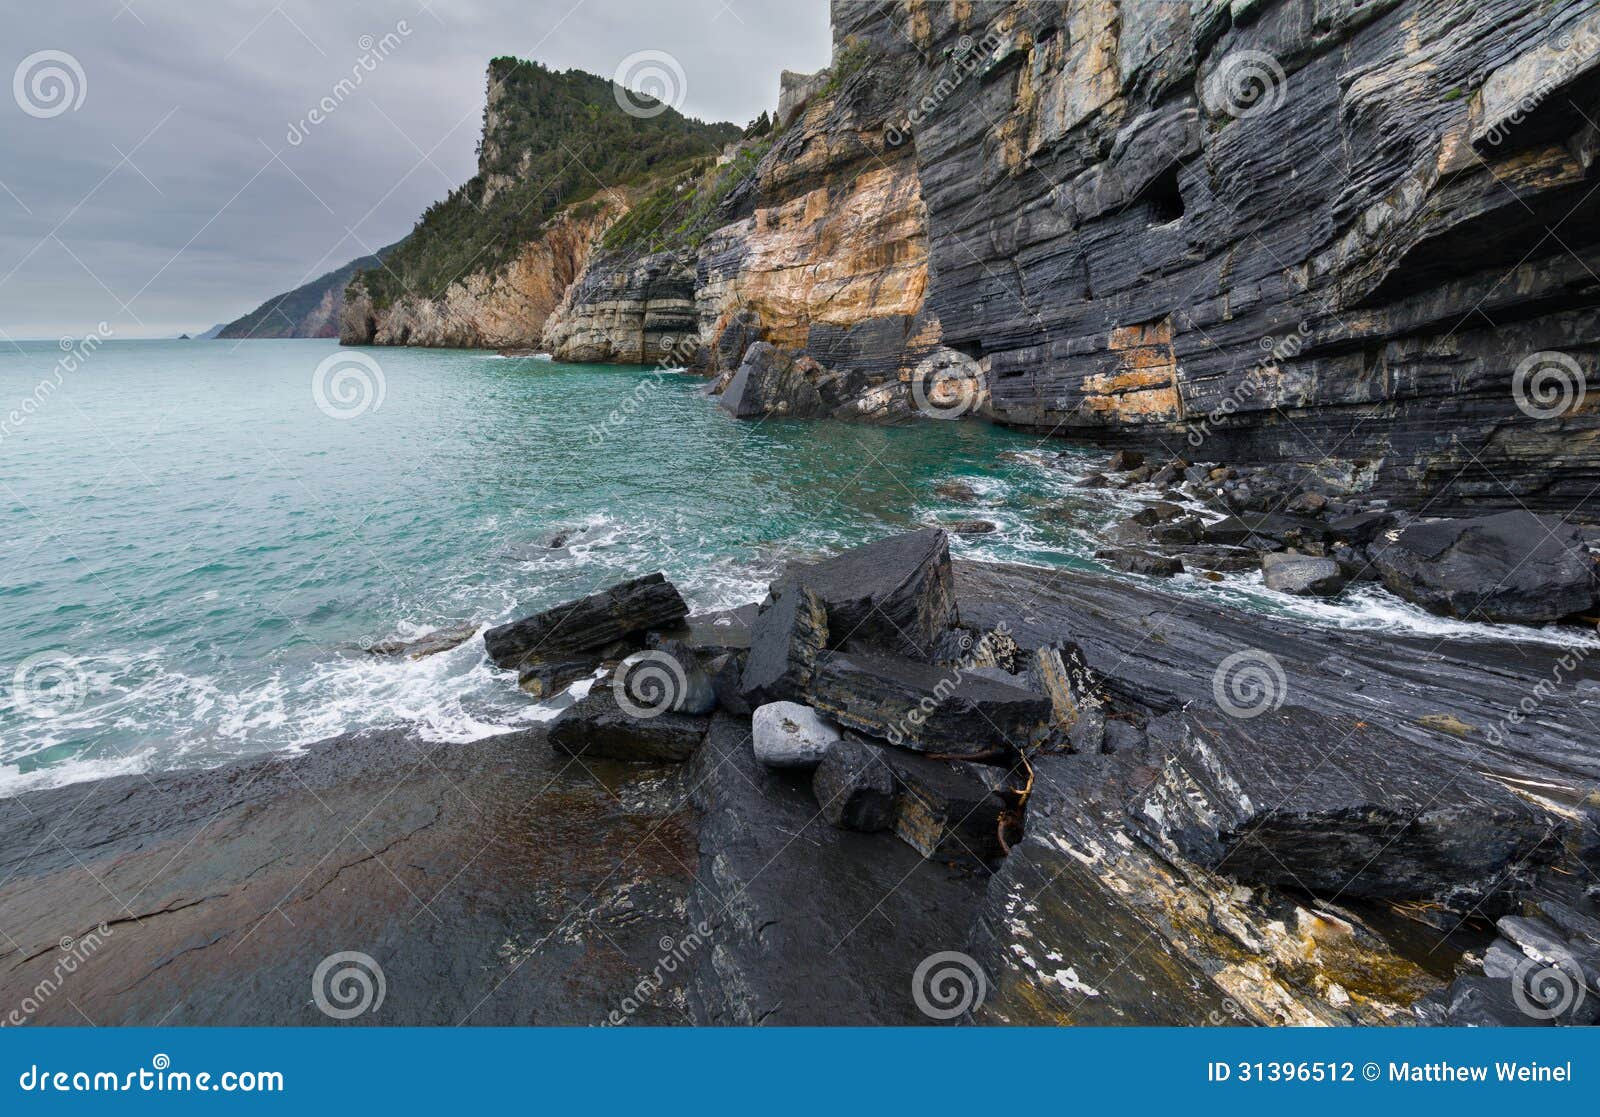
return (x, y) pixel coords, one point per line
(681, 212)
(558, 138)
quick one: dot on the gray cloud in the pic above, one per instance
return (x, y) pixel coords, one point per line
(172, 198)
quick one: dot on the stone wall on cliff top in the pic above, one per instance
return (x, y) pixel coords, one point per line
(1355, 234)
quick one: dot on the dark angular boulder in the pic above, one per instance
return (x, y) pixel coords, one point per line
(1335, 807)
(897, 593)
(1251, 528)
(545, 677)
(1515, 567)
(625, 610)
(854, 787)
(1124, 460)
(970, 527)
(666, 677)
(1074, 692)
(599, 725)
(773, 381)
(1156, 512)
(726, 672)
(1359, 527)
(1476, 1001)
(785, 641)
(726, 630)
(1134, 561)
(947, 811)
(922, 707)
(421, 647)
(1230, 559)
(1185, 529)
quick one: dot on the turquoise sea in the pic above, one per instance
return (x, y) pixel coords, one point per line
(200, 540)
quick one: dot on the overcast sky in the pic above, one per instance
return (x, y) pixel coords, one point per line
(159, 191)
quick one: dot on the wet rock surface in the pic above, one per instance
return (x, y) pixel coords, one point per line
(629, 609)
(600, 724)
(896, 593)
(1514, 567)
(495, 882)
(1162, 846)
(922, 707)
(811, 924)
(1089, 921)
(785, 641)
(1259, 799)
(1306, 575)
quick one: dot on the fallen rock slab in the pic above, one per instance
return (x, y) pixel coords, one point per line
(785, 641)
(450, 866)
(1515, 568)
(809, 924)
(897, 593)
(854, 787)
(1337, 808)
(925, 708)
(667, 677)
(598, 725)
(626, 610)
(420, 647)
(947, 811)
(1133, 561)
(1262, 529)
(773, 381)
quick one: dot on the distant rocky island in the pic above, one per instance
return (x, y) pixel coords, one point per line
(1319, 279)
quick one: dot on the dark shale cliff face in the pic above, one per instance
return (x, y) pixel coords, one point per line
(1357, 235)
(1134, 203)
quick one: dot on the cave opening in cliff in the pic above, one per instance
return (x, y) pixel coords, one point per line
(1163, 197)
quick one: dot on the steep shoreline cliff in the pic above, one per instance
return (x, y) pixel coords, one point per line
(1358, 238)
(560, 157)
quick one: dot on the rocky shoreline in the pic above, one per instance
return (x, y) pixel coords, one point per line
(1058, 783)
